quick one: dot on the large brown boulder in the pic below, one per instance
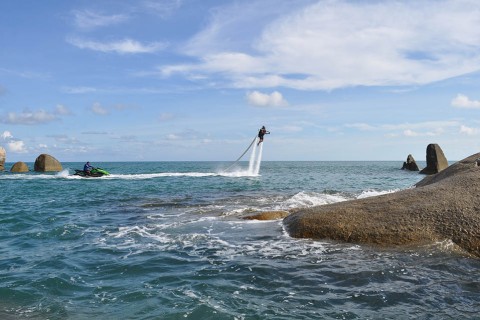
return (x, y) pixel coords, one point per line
(441, 207)
(436, 160)
(410, 164)
(19, 167)
(3, 156)
(45, 162)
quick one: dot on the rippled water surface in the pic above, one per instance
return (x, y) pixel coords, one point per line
(166, 240)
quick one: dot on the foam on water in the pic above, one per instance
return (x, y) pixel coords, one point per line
(268, 203)
(141, 239)
(28, 176)
(141, 176)
(237, 174)
(63, 174)
(310, 199)
(373, 193)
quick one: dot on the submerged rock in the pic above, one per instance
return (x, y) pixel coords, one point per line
(268, 215)
(19, 167)
(444, 206)
(410, 164)
(46, 162)
(436, 160)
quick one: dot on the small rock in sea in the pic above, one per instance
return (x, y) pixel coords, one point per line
(19, 167)
(268, 215)
(410, 164)
(46, 162)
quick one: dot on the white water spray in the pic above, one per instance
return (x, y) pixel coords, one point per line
(255, 159)
(259, 160)
(251, 162)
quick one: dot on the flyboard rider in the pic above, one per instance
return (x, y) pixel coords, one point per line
(261, 133)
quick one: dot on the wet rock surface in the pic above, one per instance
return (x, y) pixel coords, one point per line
(444, 206)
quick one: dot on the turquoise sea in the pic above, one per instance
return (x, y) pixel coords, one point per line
(166, 240)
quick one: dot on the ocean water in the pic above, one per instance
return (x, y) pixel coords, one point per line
(166, 240)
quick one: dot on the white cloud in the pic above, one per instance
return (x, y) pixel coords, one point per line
(165, 116)
(436, 132)
(13, 145)
(173, 136)
(425, 129)
(188, 135)
(291, 128)
(29, 117)
(274, 99)
(6, 135)
(163, 8)
(232, 27)
(125, 46)
(64, 139)
(432, 133)
(410, 133)
(416, 133)
(98, 109)
(122, 107)
(335, 44)
(361, 126)
(88, 20)
(427, 125)
(468, 131)
(77, 90)
(17, 146)
(25, 74)
(62, 110)
(462, 101)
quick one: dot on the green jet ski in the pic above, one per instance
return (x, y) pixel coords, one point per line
(95, 172)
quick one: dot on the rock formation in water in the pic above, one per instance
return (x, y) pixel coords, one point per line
(436, 160)
(45, 162)
(410, 164)
(19, 167)
(3, 156)
(444, 206)
(268, 215)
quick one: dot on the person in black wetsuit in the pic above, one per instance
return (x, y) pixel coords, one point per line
(261, 133)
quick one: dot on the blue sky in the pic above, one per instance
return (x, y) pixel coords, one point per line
(195, 79)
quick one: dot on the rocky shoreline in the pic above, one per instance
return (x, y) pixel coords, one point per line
(444, 206)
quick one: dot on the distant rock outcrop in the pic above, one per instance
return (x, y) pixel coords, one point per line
(19, 167)
(410, 164)
(45, 162)
(444, 206)
(436, 160)
(3, 156)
